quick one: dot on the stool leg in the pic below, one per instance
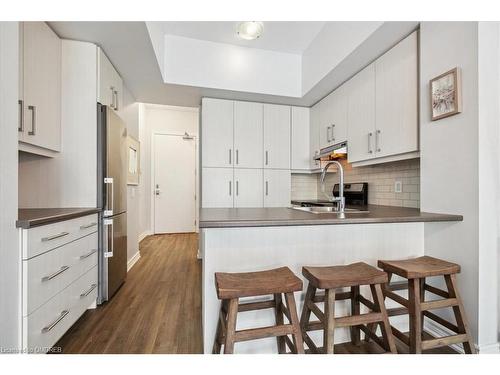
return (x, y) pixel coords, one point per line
(219, 335)
(231, 326)
(329, 323)
(415, 312)
(459, 312)
(306, 316)
(297, 335)
(279, 321)
(422, 299)
(385, 327)
(355, 309)
(373, 326)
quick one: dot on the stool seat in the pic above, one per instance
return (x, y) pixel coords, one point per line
(420, 267)
(249, 284)
(343, 276)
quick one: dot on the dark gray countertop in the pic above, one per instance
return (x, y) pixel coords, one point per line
(268, 217)
(33, 217)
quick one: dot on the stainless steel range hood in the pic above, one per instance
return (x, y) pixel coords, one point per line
(338, 150)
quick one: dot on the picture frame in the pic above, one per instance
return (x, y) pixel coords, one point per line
(446, 94)
(133, 161)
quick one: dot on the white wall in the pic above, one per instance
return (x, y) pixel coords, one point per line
(9, 255)
(214, 65)
(459, 166)
(161, 119)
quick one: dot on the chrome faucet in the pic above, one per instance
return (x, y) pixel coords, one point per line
(340, 199)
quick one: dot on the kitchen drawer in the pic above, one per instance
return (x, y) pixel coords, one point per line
(43, 328)
(40, 239)
(47, 274)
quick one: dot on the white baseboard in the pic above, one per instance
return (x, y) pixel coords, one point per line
(133, 260)
(144, 234)
(490, 349)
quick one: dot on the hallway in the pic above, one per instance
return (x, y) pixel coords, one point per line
(157, 310)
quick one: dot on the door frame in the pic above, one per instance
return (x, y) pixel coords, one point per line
(197, 182)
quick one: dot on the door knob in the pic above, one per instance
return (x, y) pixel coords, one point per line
(157, 191)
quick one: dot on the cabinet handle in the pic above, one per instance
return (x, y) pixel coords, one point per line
(87, 226)
(267, 187)
(57, 273)
(55, 236)
(85, 256)
(333, 134)
(237, 187)
(328, 134)
(109, 182)
(55, 322)
(21, 116)
(267, 157)
(237, 157)
(370, 151)
(230, 152)
(116, 99)
(112, 97)
(230, 186)
(32, 108)
(88, 291)
(377, 136)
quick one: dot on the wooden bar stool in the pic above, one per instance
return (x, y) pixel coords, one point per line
(416, 270)
(332, 278)
(232, 286)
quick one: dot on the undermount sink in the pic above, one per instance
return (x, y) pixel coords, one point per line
(328, 209)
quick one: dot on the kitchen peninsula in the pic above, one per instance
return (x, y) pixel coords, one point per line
(251, 239)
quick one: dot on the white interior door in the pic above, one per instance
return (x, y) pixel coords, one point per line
(175, 184)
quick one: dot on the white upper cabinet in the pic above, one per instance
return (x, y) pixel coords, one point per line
(248, 132)
(276, 136)
(396, 99)
(217, 133)
(314, 136)
(40, 99)
(361, 114)
(277, 188)
(338, 127)
(324, 120)
(300, 153)
(248, 189)
(109, 83)
(217, 187)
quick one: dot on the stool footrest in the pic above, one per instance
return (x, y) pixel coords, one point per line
(443, 322)
(263, 332)
(443, 341)
(260, 305)
(338, 297)
(396, 297)
(354, 320)
(439, 304)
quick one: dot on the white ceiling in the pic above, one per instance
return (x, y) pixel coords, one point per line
(285, 36)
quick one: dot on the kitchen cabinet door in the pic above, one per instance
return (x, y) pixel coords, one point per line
(300, 155)
(314, 136)
(396, 99)
(248, 189)
(109, 82)
(361, 115)
(277, 188)
(338, 126)
(42, 86)
(324, 121)
(276, 136)
(217, 188)
(248, 129)
(217, 133)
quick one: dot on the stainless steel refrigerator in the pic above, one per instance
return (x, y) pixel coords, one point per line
(112, 199)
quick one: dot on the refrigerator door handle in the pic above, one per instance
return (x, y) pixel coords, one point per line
(110, 197)
(109, 224)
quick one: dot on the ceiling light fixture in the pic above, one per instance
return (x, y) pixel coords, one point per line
(250, 30)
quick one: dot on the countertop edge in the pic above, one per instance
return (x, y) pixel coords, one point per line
(45, 220)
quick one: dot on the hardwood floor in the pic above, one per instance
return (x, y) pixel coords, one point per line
(158, 309)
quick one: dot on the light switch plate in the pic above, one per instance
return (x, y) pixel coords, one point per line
(398, 187)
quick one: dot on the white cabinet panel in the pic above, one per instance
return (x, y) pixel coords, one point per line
(361, 115)
(277, 188)
(314, 136)
(324, 122)
(248, 131)
(396, 99)
(248, 188)
(42, 87)
(338, 126)
(109, 82)
(217, 133)
(217, 187)
(300, 153)
(276, 136)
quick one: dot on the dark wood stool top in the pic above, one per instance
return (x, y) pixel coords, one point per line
(248, 284)
(420, 267)
(343, 276)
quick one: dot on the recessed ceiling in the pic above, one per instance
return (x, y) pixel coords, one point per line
(285, 36)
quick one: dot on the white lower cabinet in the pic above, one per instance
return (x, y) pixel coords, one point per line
(277, 187)
(217, 190)
(248, 189)
(58, 284)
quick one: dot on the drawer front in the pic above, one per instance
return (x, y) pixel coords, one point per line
(47, 237)
(49, 273)
(45, 326)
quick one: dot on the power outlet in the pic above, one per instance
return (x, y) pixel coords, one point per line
(398, 187)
